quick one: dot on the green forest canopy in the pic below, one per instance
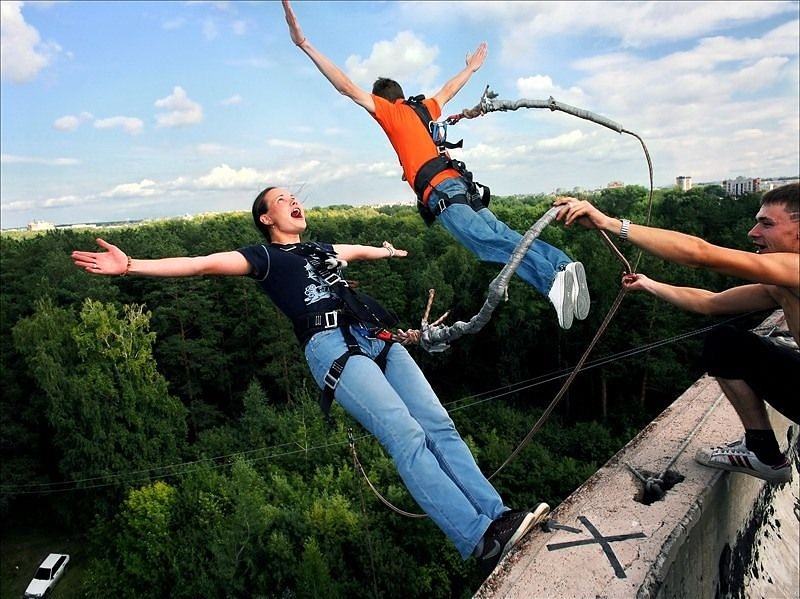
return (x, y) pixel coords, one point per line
(184, 409)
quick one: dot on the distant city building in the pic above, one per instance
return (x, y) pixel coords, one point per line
(683, 182)
(741, 185)
(770, 184)
(615, 184)
(40, 225)
(79, 226)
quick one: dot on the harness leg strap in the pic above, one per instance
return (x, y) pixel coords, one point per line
(331, 381)
(337, 368)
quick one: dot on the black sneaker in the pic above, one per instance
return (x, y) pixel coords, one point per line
(505, 532)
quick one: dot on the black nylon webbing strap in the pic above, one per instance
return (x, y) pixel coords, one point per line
(337, 368)
(427, 172)
(331, 381)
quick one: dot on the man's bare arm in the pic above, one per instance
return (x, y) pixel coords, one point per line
(452, 87)
(343, 84)
(731, 301)
(780, 268)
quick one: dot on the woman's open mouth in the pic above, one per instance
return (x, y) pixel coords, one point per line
(296, 213)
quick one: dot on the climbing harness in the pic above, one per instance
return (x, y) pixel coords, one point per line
(437, 130)
(429, 209)
(358, 309)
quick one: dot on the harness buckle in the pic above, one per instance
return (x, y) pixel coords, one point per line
(438, 132)
(331, 319)
(332, 278)
(333, 375)
(331, 381)
(441, 205)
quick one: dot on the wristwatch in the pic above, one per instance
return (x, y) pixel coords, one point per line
(623, 230)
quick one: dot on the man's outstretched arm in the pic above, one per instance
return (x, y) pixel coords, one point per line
(780, 268)
(343, 84)
(731, 301)
(452, 87)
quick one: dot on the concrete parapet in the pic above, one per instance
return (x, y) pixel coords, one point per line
(714, 533)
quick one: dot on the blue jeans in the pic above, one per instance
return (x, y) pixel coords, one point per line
(403, 412)
(492, 240)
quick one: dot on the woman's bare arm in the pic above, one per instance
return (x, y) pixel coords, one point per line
(114, 261)
(350, 253)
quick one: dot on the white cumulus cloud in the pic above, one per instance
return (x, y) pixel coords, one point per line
(71, 122)
(22, 53)
(562, 142)
(144, 188)
(180, 110)
(225, 177)
(63, 201)
(541, 87)
(129, 124)
(406, 59)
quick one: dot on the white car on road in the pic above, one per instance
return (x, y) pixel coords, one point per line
(47, 575)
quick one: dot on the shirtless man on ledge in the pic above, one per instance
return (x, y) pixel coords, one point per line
(749, 369)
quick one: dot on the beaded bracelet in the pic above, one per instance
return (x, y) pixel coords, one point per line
(127, 268)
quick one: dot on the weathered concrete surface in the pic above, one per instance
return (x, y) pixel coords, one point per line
(713, 534)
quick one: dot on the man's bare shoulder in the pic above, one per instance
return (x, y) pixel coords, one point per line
(789, 300)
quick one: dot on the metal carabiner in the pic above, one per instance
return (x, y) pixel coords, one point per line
(438, 132)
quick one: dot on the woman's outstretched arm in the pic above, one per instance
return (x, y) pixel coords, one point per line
(368, 252)
(114, 261)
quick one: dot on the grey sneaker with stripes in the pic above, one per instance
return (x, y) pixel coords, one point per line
(580, 290)
(735, 457)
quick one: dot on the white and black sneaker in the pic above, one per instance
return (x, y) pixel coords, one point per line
(505, 532)
(561, 297)
(580, 290)
(735, 457)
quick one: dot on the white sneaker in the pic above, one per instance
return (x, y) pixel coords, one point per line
(561, 297)
(735, 457)
(579, 289)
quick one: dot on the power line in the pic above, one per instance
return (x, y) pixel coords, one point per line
(181, 468)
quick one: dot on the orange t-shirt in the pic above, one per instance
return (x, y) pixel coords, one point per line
(409, 138)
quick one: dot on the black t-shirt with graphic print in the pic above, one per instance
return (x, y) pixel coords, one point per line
(289, 279)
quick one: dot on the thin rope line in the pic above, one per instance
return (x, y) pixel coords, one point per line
(566, 384)
(125, 477)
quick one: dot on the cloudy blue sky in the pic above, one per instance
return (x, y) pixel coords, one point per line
(127, 110)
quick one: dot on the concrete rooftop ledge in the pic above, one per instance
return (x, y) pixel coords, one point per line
(714, 534)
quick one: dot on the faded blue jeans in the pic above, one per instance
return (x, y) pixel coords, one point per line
(491, 240)
(403, 412)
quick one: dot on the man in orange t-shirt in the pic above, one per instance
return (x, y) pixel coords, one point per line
(446, 193)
